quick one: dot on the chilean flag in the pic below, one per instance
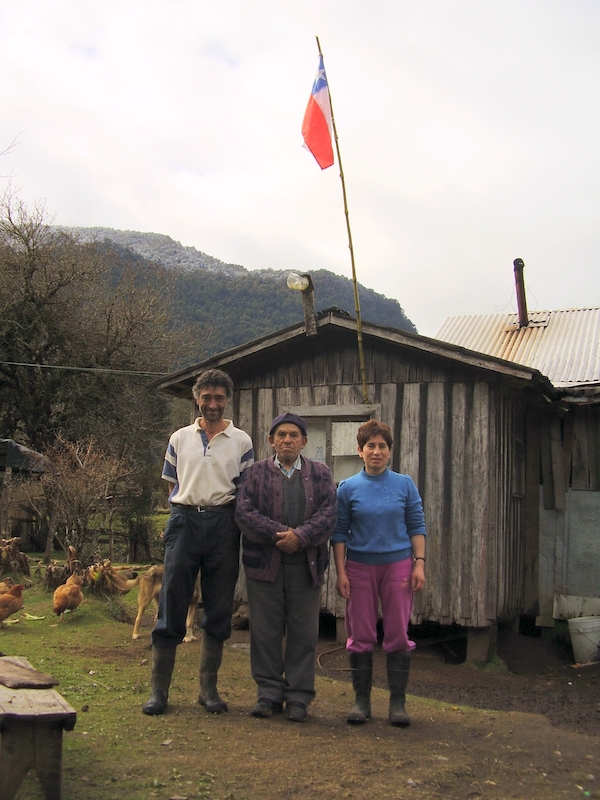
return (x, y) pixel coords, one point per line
(316, 126)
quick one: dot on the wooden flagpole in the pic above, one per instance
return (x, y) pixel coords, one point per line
(361, 355)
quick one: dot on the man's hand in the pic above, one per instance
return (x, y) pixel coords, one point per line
(288, 541)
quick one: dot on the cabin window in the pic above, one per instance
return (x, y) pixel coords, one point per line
(316, 447)
(334, 444)
(344, 450)
(332, 435)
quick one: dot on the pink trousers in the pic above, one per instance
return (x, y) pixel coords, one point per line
(370, 584)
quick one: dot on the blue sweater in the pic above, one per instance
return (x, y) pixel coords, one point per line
(377, 516)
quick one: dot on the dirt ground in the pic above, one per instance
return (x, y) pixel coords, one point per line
(539, 677)
(528, 727)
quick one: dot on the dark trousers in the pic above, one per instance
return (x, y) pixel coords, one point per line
(206, 541)
(288, 608)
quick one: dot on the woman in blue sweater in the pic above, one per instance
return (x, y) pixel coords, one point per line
(379, 550)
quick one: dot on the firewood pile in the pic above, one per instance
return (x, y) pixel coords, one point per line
(12, 559)
(55, 573)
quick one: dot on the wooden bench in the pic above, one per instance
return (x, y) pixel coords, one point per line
(32, 721)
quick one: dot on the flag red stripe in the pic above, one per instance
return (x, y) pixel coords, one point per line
(316, 134)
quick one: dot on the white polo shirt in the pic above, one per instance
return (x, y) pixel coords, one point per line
(206, 473)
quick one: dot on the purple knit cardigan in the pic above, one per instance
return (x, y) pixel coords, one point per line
(259, 504)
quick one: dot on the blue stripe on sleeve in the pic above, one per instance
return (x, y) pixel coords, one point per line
(248, 456)
(169, 471)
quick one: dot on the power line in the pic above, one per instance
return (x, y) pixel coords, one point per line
(86, 369)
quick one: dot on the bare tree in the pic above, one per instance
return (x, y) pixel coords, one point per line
(83, 490)
(8, 150)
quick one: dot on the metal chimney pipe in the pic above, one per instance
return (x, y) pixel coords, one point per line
(521, 299)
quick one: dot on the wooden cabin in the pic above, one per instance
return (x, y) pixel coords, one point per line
(464, 427)
(564, 345)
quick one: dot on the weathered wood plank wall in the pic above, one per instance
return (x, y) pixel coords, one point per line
(570, 453)
(567, 529)
(531, 599)
(457, 437)
(478, 481)
(430, 602)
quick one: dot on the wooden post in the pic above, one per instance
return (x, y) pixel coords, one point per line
(481, 643)
(361, 357)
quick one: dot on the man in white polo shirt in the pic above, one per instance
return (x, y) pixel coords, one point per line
(204, 463)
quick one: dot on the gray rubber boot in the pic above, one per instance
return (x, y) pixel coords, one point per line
(163, 661)
(398, 669)
(210, 661)
(361, 665)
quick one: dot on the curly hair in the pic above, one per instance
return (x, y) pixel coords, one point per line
(212, 377)
(374, 428)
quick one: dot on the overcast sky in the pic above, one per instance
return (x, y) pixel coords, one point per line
(469, 133)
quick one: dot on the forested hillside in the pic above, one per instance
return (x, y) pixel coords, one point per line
(228, 305)
(89, 318)
(237, 309)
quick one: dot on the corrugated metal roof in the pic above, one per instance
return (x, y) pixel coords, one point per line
(563, 345)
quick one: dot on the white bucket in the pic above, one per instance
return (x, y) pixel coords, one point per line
(585, 638)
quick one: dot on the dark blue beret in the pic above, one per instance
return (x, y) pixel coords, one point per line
(293, 419)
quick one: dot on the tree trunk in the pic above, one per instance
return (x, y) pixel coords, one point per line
(5, 503)
(139, 541)
(111, 538)
(49, 541)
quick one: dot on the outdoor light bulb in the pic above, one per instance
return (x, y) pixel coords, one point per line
(298, 282)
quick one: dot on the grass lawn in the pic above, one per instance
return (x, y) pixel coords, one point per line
(117, 753)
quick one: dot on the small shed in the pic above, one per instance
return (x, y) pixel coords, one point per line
(460, 422)
(16, 519)
(563, 345)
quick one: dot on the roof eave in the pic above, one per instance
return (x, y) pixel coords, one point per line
(432, 347)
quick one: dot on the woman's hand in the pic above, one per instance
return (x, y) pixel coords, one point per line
(418, 576)
(342, 586)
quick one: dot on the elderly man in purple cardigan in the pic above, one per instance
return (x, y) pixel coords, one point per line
(287, 511)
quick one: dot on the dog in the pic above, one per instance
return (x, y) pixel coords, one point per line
(149, 584)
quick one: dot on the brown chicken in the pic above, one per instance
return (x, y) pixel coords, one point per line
(11, 602)
(68, 596)
(6, 584)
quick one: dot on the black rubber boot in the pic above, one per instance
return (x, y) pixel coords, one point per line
(398, 669)
(210, 661)
(163, 661)
(361, 665)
